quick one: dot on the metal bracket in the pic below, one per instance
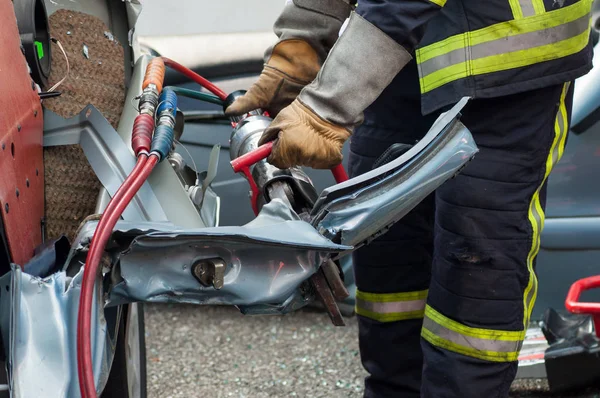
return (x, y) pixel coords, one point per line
(109, 156)
(210, 272)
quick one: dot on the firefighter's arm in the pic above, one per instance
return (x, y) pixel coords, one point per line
(306, 30)
(374, 46)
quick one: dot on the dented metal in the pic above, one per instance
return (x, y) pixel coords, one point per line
(360, 209)
(267, 262)
(39, 326)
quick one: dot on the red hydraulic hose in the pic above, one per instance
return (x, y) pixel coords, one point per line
(111, 215)
(195, 77)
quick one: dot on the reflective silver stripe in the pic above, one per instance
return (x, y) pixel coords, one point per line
(470, 342)
(392, 306)
(506, 45)
(527, 8)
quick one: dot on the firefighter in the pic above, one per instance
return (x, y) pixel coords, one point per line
(445, 297)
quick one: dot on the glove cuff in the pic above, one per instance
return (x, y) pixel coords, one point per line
(317, 22)
(361, 64)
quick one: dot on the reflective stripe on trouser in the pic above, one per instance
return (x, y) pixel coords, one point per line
(394, 268)
(472, 245)
(488, 225)
(391, 307)
(507, 45)
(491, 345)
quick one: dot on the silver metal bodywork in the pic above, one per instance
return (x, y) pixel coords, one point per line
(356, 211)
(266, 262)
(39, 332)
(164, 234)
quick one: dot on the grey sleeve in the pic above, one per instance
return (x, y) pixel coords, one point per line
(318, 22)
(359, 67)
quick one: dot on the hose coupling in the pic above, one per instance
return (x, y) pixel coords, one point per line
(164, 134)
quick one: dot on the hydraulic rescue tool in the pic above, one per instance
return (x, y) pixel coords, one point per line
(292, 186)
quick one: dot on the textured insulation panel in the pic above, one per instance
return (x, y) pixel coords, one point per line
(98, 78)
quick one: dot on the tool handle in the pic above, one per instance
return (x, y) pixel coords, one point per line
(252, 157)
(573, 304)
(263, 152)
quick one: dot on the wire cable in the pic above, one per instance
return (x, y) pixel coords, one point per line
(195, 77)
(68, 67)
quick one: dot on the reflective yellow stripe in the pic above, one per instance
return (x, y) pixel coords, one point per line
(538, 6)
(526, 41)
(526, 8)
(391, 307)
(536, 213)
(492, 356)
(440, 3)
(507, 45)
(503, 335)
(507, 29)
(487, 344)
(388, 297)
(505, 61)
(515, 7)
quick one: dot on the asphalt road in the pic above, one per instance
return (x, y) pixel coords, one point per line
(199, 352)
(217, 352)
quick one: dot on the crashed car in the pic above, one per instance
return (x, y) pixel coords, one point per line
(95, 146)
(153, 233)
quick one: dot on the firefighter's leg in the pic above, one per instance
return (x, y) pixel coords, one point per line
(392, 273)
(487, 235)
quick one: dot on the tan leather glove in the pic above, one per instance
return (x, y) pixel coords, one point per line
(304, 139)
(292, 65)
(312, 130)
(306, 31)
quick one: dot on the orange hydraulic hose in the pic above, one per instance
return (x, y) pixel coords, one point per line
(155, 74)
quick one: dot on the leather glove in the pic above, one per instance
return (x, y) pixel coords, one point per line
(292, 65)
(313, 129)
(304, 139)
(306, 31)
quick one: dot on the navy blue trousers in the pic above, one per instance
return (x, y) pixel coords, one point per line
(445, 296)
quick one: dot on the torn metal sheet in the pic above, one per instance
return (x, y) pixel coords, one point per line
(39, 332)
(362, 208)
(110, 158)
(267, 261)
